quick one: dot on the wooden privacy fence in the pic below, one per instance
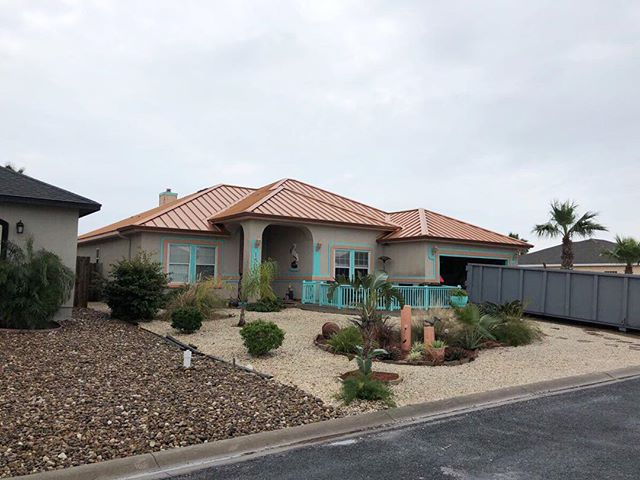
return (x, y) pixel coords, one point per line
(603, 298)
(85, 276)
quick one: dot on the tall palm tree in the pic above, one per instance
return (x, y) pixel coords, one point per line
(564, 222)
(627, 251)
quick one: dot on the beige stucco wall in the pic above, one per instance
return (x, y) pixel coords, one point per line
(52, 228)
(408, 261)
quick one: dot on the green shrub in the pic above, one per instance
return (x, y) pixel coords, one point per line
(516, 332)
(346, 340)
(417, 352)
(363, 387)
(186, 319)
(438, 344)
(33, 286)
(135, 289)
(261, 337)
(459, 292)
(476, 328)
(266, 305)
(203, 296)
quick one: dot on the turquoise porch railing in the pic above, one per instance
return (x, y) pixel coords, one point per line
(345, 296)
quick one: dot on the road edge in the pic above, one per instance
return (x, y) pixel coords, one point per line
(162, 464)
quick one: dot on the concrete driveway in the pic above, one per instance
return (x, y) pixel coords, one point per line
(592, 433)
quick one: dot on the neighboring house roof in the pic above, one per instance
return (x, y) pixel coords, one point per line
(587, 252)
(421, 223)
(20, 188)
(293, 200)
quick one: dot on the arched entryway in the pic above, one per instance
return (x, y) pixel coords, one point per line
(292, 248)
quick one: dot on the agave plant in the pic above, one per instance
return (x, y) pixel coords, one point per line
(365, 359)
(371, 290)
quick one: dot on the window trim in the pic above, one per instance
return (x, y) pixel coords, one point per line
(352, 260)
(193, 247)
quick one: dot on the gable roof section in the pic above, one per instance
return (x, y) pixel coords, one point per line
(20, 188)
(585, 252)
(279, 201)
(421, 223)
(187, 213)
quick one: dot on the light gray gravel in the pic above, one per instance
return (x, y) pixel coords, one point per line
(566, 350)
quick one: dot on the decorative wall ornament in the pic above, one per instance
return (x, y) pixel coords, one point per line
(295, 258)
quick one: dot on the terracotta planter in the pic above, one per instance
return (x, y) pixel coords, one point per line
(437, 354)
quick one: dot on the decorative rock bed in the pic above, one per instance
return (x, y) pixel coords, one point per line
(469, 356)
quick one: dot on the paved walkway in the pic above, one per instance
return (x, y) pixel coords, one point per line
(586, 434)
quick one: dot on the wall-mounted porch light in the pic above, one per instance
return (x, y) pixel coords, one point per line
(318, 246)
(20, 227)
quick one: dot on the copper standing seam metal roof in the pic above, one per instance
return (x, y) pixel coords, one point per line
(290, 199)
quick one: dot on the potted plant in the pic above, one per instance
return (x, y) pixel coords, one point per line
(459, 298)
(436, 350)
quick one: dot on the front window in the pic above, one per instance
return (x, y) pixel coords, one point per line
(189, 263)
(342, 264)
(351, 263)
(205, 262)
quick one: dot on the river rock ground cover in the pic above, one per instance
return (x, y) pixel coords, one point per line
(98, 389)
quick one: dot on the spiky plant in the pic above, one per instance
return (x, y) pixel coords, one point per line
(257, 283)
(627, 251)
(370, 289)
(565, 222)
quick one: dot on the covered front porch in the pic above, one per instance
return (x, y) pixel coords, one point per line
(420, 297)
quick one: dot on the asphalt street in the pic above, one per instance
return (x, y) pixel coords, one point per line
(592, 433)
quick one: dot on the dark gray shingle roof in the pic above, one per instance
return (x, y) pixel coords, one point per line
(585, 252)
(20, 188)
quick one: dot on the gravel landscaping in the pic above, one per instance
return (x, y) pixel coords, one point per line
(566, 350)
(99, 389)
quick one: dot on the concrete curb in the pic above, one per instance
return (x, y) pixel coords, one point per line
(164, 463)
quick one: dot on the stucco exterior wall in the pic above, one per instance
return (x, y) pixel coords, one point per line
(111, 251)
(54, 229)
(408, 261)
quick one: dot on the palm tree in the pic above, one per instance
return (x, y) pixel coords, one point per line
(564, 222)
(627, 251)
(257, 283)
(370, 289)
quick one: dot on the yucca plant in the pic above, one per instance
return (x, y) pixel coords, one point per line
(33, 286)
(371, 290)
(627, 251)
(257, 283)
(564, 222)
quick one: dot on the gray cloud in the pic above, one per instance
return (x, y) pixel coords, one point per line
(481, 110)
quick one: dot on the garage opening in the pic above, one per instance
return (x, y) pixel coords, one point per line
(453, 270)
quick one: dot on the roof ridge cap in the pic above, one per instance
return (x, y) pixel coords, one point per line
(336, 206)
(336, 194)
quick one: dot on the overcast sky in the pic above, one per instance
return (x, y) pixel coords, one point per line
(484, 111)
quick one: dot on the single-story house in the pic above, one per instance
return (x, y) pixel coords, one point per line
(313, 234)
(588, 256)
(49, 215)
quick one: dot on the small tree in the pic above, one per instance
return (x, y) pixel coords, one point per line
(627, 251)
(516, 236)
(33, 286)
(257, 283)
(564, 222)
(136, 288)
(371, 289)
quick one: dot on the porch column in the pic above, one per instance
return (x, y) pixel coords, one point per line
(252, 248)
